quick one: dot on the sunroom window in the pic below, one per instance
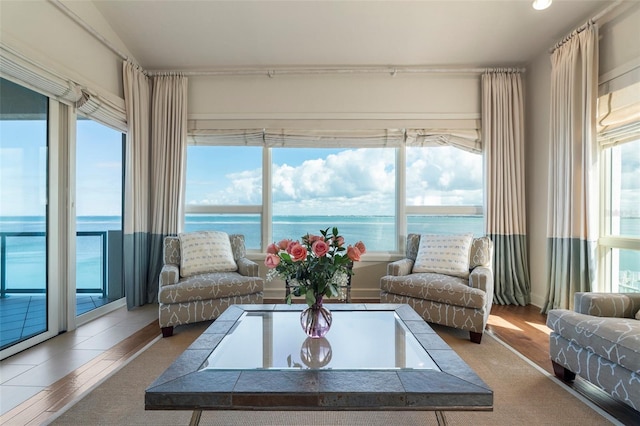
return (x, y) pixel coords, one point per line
(619, 139)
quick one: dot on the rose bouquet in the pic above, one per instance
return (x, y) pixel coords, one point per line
(314, 267)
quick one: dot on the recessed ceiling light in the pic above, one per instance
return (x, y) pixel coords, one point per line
(541, 4)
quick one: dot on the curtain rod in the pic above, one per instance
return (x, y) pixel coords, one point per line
(582, 27)
(272, 72)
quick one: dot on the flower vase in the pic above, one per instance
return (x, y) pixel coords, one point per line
(316, 320)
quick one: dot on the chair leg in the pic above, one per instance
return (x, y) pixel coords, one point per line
(563, 373)
(475, 337)
(167, 331)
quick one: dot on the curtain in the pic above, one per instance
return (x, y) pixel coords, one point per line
(503, 139)
(157, 116)
(137, 95)
(168, 155)
(573, 196)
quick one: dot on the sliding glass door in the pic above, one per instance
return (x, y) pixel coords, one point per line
(24, 288)
(99, 186)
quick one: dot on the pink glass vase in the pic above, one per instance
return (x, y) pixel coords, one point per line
(316, 320)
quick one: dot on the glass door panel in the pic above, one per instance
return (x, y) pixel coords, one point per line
(23, 214)
(99, 177)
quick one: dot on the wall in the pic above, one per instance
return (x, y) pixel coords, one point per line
(38, 30)
(619, 49)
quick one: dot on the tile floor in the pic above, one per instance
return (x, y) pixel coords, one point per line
(28, 372)
(23, 316)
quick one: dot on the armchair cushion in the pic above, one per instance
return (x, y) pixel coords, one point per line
(444, 254)
(215, 285)
(614, 339)
(205, 251)
(438, 288)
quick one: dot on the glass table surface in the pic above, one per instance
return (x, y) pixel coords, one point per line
(369, 340)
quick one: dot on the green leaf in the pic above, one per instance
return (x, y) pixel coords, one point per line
(310, 298)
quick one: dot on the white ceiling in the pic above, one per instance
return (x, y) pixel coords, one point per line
(207, 35)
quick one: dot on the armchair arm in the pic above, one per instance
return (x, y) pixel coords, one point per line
(618, 305)
(482, 278)
(169, 274)
(247, 267)
(400, 267)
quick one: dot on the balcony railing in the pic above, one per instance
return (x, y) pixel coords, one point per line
(5, 285)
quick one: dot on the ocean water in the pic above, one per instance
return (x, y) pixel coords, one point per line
(25, 259)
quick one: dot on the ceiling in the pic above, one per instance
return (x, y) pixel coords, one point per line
(186, 35)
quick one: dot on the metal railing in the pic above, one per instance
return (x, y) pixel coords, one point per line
(4, 290)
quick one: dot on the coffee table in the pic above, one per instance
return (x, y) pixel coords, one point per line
(375, 357)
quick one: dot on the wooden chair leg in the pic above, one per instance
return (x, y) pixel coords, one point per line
(563, 373)
(475, 337)
(167, 331)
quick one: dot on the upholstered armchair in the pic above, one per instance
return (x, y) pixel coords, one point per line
(447, 279)
(599, 340)
(203, 274)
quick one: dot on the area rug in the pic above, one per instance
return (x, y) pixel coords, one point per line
(523, 394)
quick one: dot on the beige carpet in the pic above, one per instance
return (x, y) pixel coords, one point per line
(522, 394)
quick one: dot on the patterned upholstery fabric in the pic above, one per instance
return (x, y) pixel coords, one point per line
(481, 252)
(205, 296)
(600, 342)
(463, 303)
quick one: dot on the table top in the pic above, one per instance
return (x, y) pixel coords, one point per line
(375, 357)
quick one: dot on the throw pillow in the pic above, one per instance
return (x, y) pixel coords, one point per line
(444, 254)
(638, 315)
(205, 251)
(481, 252)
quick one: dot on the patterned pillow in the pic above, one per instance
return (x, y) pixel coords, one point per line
(481, 252)
(205, 251)
(444, 254)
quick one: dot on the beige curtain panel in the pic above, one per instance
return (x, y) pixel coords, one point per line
(137, 96)
(573, 169)
(503, 136)
(168, 157)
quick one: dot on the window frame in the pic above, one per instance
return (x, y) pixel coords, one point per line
(608, 280)
(402, 211)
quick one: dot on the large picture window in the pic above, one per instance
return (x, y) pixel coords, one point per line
(224, 191)
(444, 190)
(353, 189)
(285, 188)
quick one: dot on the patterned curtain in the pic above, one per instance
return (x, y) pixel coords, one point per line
(503, 139)
(157, 116)
(573, 169)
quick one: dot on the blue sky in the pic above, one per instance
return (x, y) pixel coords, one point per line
(332, 181)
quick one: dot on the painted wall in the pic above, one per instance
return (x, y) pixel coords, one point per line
(619, 49)
(40, 31)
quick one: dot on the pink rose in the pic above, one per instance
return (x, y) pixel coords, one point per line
(272, 260)
(313, 238)
(360, 246)
(320, 248)
(283, 244)
(297, 251)
(339, 241)
(353, 253)
(272, 248)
